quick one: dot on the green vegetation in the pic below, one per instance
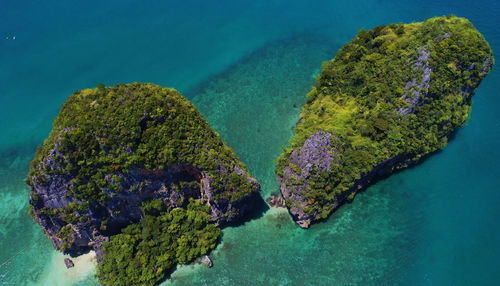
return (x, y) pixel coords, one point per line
(139, 164)
(110, 130)
(360, 94)
(144, 252)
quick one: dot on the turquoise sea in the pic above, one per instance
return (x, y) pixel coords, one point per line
(247, 66)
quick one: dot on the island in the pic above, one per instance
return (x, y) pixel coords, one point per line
(135, 173)
(391, 97)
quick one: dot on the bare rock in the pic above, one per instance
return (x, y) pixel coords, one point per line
(207, 261)
(69, 263)
(276, 201)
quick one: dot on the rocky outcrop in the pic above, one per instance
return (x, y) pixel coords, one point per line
(388, 99)
(467, 90)
(416, 89)
(220, 208)
(69, 263)
(296, 194)
(276, 201)
(294, 185)
(207, 261)
(99, 221)
(317, 154)
(81, 195)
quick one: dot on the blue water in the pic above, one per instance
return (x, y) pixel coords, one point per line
(247, 66)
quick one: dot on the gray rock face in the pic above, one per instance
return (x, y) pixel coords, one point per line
(391, 100)
(207, 261)
(486, 65)
(320, 151)
(95, 222)
(276, 201)
(417, 89)
(467, 91)
(316, 155)
(294, 193)
(69, 263)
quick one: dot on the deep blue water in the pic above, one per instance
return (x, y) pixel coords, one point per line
(247, 66)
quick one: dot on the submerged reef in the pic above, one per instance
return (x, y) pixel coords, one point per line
(135, 173)
(389, 98)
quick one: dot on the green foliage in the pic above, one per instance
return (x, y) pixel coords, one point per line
(103, 137)
(67, 235)
(358, 94)
(153, 206)
(110, 130)
(144, 252)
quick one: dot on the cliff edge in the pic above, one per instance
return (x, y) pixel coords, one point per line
(131, 153)
(390, 97)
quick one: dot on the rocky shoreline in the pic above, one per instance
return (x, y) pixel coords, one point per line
(80, 203)
(295, 195)
(390, 98)
(276, 201)
(124, 209)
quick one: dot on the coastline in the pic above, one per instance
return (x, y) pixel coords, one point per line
(57, 274)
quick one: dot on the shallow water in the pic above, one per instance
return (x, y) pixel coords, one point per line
(247, 66)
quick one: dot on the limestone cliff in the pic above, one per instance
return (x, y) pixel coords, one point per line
(389, 98)
(113, 148)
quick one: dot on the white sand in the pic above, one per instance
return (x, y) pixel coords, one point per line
(57, 274)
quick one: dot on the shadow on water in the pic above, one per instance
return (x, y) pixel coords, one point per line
(266, 89)
(258, 208)
(10, 154)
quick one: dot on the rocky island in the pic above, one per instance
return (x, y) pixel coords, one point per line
(389, 98)
(135, 173)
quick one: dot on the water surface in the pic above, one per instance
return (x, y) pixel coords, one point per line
(247, 66)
